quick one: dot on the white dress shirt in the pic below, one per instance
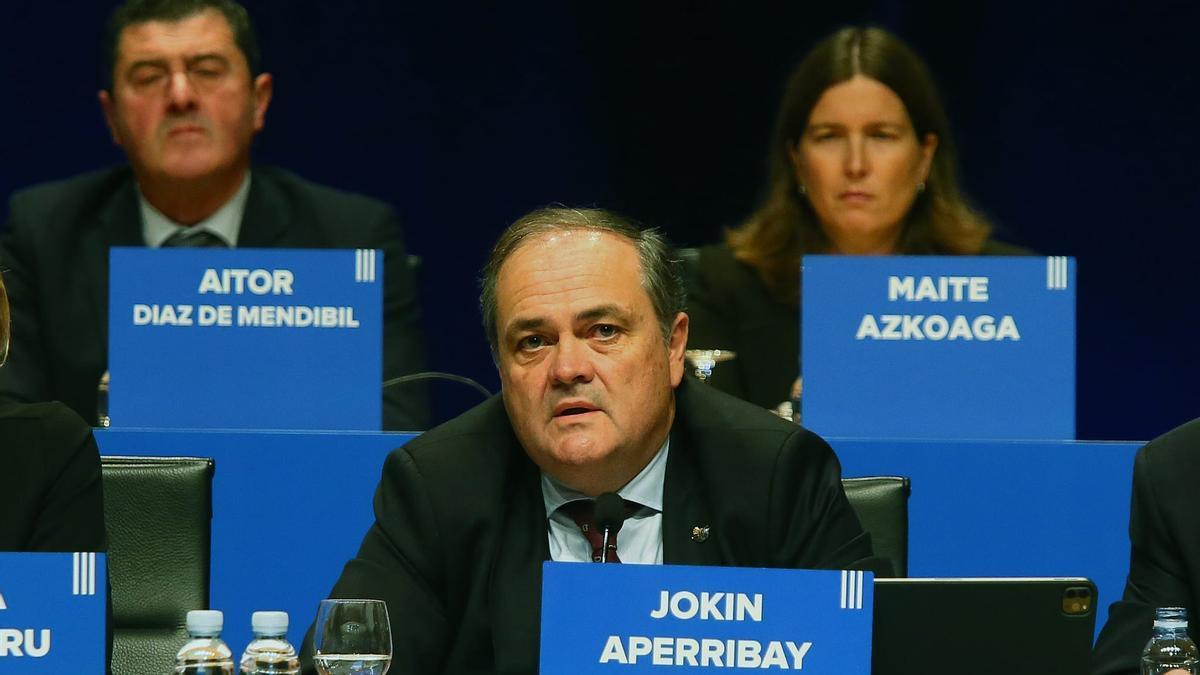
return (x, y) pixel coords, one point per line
(640, 538)
(226, 223)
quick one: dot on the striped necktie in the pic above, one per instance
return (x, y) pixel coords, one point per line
(194, 239)
(583, 513)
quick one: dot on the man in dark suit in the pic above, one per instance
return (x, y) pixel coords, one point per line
(184, 99)
(1164, 562)
(585, 317)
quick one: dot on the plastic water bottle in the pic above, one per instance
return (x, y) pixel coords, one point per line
(270, 653)
(205, 652)
(1170, 650)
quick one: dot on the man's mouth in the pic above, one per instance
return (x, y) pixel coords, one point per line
(182, 128)
(572, 408)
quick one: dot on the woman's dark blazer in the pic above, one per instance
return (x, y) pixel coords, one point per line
(729, 307)
(51, 497)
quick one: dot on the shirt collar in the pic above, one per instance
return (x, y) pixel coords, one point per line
(646, 488)
(226, 223)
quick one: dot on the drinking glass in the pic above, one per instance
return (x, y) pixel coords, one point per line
(704, 360)
(352, 637)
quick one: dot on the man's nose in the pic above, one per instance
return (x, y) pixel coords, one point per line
(181, 93)
(572, 361)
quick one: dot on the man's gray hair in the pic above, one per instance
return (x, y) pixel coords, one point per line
(660, 270)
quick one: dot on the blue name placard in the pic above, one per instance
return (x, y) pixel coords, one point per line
(939, 347)
(245, 338)
(52, 613)
(656, 618)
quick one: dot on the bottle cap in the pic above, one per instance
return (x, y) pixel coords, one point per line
(1170, 618)
(269, 623)
(205, 621)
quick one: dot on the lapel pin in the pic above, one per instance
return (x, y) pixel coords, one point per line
(699, 533)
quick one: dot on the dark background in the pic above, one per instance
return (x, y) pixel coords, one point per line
(1078, 128)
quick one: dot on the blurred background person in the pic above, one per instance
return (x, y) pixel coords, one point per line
(51, 497)
(184, 97)
(861, 162)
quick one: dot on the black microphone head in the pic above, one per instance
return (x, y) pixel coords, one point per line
(610, 512)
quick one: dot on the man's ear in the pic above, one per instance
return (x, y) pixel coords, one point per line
(110, 114)
(676, 346)
(264, 86)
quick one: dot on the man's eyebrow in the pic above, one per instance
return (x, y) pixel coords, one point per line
(590, 314)
(163, 63)
(146, 63)
(602, 312)
(201, 58)
(522, 325)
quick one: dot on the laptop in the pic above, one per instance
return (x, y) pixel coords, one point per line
(998, 626)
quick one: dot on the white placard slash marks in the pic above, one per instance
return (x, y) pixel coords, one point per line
(1056, 273)
(852, 588)
(364, 265)
(83, 574)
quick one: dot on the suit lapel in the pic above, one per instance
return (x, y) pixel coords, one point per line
(266, 217)
(684, 509)
(120, 224)
(515, 588)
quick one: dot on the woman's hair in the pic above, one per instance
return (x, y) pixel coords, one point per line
(3, 321)
(784, 228)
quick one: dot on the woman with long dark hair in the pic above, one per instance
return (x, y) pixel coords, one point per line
(861, 163)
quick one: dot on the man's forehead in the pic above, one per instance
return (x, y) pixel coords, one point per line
(548, 247)
(568, 237)
(567, 252)
(581, 268)
(205, 31)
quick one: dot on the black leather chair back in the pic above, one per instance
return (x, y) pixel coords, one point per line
(881, 503)
(158, 512)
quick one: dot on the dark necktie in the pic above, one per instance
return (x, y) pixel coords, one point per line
(583, 512)
(194, 239)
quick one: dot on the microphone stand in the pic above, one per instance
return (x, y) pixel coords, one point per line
(609, 516)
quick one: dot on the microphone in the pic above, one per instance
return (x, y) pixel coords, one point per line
(609, 516)
(435, 375)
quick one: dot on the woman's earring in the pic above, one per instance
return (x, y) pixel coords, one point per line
(920, 187)
(803, 190)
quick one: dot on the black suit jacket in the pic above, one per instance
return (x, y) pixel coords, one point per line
(729, 307)
(1164, 561)
(55, 261)
(461, 529)
(51, 498)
